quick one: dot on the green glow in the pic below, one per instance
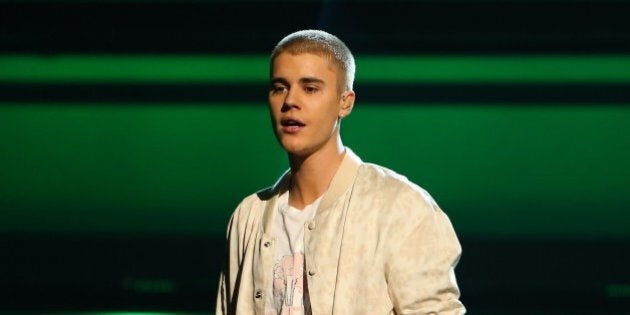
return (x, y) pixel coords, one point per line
(132, 68)
(498, 171)
(618, 291)
(149, 286)
(494, 69)
(254, 69)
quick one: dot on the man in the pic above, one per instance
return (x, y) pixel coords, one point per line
(334, 235)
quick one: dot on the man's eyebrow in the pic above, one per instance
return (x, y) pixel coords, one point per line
(279, 80)
(311, 80)
(305, 80)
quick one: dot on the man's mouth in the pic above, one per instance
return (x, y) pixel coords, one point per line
(291, 126)
(291, 123)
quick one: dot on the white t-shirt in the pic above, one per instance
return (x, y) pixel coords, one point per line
(288, 293)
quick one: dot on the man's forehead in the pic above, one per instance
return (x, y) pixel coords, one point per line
(313, 65)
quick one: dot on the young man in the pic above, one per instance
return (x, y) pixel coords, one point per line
(334, 235)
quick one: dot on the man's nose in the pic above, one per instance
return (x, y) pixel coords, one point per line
(290, 101)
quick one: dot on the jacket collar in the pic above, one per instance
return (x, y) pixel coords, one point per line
(340, 183)
(343, 179)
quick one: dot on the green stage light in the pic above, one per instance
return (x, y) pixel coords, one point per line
(254, 69)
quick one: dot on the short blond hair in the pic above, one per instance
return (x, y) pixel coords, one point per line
(320, 43)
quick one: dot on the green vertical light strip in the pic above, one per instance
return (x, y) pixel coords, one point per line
(254, 69)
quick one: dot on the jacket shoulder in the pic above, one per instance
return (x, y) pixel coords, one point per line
(382, 182)
(248, 212)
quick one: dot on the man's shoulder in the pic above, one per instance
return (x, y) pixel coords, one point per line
(378, 180)
(249, 211)
(257, 200)
(257, 197)
(381, 177)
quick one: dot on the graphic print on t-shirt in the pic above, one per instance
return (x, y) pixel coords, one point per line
(287, 292)
(288, 285)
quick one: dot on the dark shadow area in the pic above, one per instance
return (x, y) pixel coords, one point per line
(246, 27)
(508, 277)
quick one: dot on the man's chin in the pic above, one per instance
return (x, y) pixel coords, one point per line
(296, 150)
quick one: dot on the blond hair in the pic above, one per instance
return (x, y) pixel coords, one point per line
(320, 43)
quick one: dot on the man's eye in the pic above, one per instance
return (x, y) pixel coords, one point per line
(310, 89)
(278, 89)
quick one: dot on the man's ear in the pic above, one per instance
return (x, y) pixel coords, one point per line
(347, 103)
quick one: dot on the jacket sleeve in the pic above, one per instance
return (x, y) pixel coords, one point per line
(222, 292)
(225, 291)
(221, 306)
(420, 268)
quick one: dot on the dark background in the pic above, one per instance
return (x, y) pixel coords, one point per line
(129, 130)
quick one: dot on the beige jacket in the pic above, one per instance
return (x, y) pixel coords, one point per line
(378, 244)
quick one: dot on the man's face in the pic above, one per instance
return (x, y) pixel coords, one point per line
(305, 102)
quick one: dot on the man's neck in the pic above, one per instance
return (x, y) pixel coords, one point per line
(311, 175)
